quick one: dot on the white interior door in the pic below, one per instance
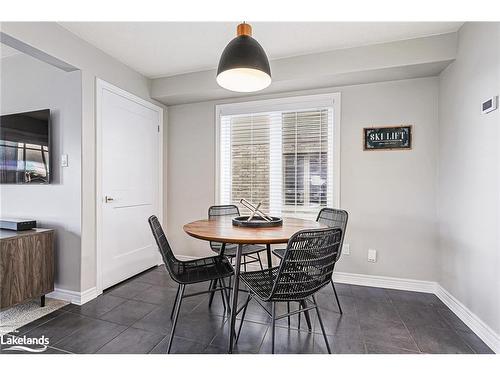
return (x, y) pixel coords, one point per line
(130, 184)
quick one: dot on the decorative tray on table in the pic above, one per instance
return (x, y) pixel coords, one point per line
(257, 222)
(256, 219)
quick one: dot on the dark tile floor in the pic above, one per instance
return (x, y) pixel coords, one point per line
(133, 317)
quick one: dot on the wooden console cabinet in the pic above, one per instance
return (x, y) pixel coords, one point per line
(26, 265)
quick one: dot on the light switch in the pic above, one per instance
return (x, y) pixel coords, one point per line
(372, 255)
(64, 160)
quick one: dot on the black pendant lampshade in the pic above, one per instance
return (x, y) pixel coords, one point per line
(243, 66)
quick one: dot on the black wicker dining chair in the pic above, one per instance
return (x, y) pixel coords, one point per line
(332, 218)
(189, 272)
(306, 267)
(250, 254)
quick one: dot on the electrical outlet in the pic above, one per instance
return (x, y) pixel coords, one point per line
(372, 255)
(346, 249)
(64, 160)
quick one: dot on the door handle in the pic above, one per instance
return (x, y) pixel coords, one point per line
(108, 199)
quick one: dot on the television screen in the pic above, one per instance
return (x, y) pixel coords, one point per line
(25, 148)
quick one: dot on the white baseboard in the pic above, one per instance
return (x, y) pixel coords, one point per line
(385, 282)
(485, 333)
(77, 298)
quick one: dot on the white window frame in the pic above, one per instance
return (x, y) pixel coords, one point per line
(282, 104)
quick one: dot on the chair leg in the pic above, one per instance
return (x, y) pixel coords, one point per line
(175, 301)
(260, 262)
(223, 299)
(306, 314)
(273, 326)
(245, 263)
(321, 325)
(211, 299)
(336, 297)
(177, 309)
(288, 312)
(211, 285)
(225, 296)
(243, 316)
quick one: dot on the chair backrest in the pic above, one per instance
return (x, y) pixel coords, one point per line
(334, 218)
(222, 210)
(307, 264)
(171, 262)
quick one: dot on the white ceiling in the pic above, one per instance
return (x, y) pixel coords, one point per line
(157, 49)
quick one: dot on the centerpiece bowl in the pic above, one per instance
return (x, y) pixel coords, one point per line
(257, 222)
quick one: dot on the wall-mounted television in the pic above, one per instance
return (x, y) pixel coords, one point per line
(25, 148)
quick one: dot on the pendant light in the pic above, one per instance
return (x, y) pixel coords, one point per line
(243, 65)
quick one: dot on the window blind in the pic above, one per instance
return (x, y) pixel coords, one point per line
(283, 159)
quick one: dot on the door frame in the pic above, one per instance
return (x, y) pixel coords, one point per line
(101, 86)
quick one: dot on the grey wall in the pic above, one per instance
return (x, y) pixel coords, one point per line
(390, 195)
(469, 174)
(27, 84)
(58, 42)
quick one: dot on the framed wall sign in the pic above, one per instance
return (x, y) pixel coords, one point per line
(387, 138)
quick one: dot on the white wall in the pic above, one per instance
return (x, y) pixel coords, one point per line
(58, 42)
(28, 84)
(469, 174)
(390, 195)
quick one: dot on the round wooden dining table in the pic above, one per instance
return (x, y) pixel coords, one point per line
(222, 230)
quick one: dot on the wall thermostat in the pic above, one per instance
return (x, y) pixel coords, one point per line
(490, 105)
